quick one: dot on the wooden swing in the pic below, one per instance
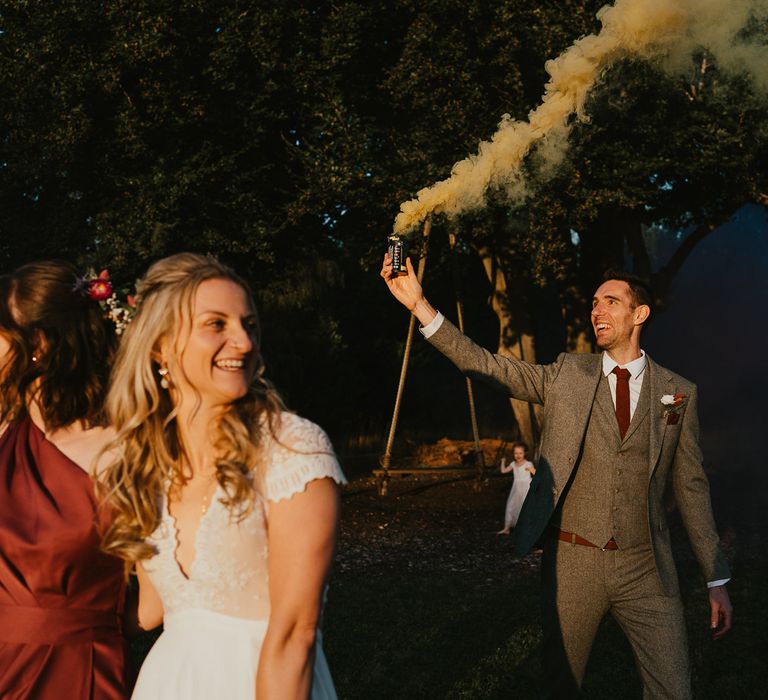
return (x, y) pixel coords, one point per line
(385, 473)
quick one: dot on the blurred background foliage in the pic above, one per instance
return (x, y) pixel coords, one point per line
(282, 136)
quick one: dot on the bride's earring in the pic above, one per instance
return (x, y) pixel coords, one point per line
(165, 381)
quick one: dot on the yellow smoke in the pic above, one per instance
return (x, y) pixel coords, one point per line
(666, 29)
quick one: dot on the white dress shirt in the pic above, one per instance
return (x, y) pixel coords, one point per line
(636, 370)
(432, 326)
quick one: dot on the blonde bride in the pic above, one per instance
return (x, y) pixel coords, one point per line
(225, 503)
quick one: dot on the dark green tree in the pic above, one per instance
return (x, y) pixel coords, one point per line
(282, 136)
(134, 130)
(415, 86)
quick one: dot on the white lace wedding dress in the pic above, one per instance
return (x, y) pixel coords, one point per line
(215, 620)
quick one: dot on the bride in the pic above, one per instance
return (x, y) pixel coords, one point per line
(226, 503)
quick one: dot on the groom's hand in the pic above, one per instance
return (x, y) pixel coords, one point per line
(407, 290)
(721, 616)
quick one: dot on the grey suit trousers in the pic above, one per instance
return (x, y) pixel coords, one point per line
(581, 585)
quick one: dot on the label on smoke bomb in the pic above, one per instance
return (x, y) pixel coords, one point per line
(398, 252)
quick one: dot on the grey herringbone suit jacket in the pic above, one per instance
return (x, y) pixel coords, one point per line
(566, 389)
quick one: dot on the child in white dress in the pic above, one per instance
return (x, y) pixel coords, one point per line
(523, 471)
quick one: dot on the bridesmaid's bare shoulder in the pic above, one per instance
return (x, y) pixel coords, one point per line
(84, 446)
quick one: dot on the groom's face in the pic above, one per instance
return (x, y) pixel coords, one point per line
(613, 314)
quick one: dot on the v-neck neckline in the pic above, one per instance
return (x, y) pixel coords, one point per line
(187, 576)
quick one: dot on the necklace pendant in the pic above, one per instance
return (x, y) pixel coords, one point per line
(207, 499)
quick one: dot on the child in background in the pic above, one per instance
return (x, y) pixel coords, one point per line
(523, 471)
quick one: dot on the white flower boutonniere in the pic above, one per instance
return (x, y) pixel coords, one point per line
(673, 405)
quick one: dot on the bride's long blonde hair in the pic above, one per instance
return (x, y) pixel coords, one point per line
(145, 455)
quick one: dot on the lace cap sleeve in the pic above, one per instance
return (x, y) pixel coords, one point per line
(301, 454)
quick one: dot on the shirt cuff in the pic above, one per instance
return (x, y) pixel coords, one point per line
(719, 582)
(432, 327)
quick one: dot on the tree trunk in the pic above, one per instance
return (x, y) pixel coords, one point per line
(514, 340)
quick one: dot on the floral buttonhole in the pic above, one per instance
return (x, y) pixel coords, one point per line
(673, 405)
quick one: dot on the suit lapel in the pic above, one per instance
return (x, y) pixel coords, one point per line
(660, 384)
(578, 402)
(604, 402)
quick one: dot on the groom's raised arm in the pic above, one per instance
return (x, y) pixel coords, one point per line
(519, 379)
(514, 377)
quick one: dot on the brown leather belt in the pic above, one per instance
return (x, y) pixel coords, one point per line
(573, 538)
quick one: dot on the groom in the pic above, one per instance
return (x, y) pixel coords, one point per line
(616, 427)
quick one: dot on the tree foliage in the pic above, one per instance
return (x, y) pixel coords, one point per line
(282, 136)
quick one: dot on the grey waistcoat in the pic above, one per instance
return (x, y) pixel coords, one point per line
(608, 495)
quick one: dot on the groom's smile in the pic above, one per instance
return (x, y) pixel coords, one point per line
(603, 334)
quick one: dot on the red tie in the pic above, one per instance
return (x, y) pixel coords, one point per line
(622, 399)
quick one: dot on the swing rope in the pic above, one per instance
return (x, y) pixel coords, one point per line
(479, 457)
(386, 459)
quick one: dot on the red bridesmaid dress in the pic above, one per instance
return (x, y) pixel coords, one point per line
(61, 598)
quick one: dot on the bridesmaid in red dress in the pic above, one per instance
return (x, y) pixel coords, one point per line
(61, 598)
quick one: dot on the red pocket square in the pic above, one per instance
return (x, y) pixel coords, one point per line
(672, 418)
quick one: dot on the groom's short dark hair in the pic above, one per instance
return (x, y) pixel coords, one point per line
(639, 287)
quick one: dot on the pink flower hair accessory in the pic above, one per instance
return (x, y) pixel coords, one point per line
(99, 288)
